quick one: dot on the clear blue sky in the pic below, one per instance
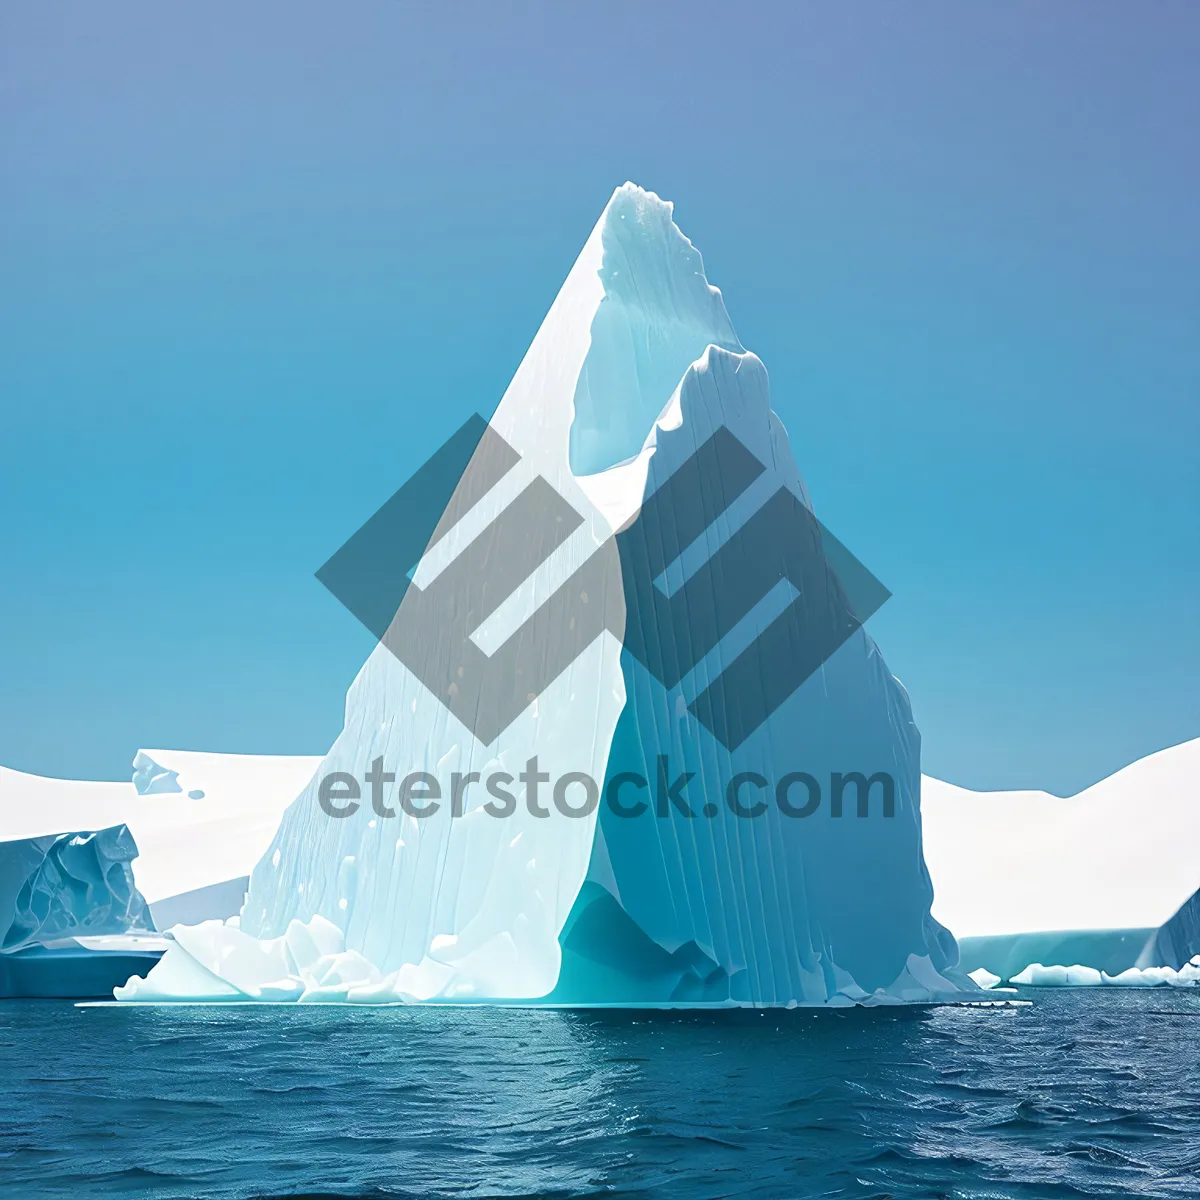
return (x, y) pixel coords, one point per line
(259, 260)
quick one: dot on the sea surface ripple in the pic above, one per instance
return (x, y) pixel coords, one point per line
(1084, 1093)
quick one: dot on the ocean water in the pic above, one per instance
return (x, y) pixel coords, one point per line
(1084, 1093)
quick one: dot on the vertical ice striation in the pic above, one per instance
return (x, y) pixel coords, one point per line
(773, 908)
(635, 367)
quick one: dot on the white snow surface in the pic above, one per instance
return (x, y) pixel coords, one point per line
(184, 843)
(1121, 854)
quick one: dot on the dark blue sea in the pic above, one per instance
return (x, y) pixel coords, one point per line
(1084, 1093)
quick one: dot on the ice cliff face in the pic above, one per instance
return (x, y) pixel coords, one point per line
(634, 369)
(657, 316)
(71, 883)
(773, 908)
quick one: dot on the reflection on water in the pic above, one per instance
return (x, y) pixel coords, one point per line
(1083, 1094)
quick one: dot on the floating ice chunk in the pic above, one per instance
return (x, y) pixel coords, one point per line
(217, 961)
(332, 979)
(244, 962)
(984, 978)
(424, 981)
(1133, 977)
(150, 779)
(1146, 978)
(1036, 975)
(308, 942)
(176, 976)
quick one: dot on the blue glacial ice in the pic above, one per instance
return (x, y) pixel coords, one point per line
(60, 885)
(634, 368)
(72, 921)
(763, 910)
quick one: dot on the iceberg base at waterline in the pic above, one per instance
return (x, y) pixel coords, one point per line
(217, 963)
(77, 968)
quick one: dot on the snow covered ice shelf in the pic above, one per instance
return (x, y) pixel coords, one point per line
(1101, 882)
(199, 821)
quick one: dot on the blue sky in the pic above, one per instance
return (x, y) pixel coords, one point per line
(259, 261)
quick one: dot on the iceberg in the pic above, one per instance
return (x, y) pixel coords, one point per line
(692, 598)
(56, 886)
(72, 922)
(1105, 880)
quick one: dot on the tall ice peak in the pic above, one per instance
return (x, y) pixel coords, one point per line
(658, 316)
